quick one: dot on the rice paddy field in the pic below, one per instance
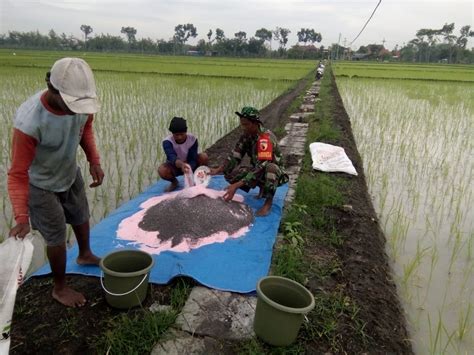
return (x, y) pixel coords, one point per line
(414, 128)
(139, 96)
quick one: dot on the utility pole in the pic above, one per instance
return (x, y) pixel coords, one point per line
(344, 55)
(337, 49)
(383, 42)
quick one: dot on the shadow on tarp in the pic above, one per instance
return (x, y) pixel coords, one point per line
(234, 265)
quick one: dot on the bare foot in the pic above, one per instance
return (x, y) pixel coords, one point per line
(68, 297)
(172, 186)
(88, 259)
(265, 209)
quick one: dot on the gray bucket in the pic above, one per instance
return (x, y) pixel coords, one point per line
(281, 306)
(125, 277)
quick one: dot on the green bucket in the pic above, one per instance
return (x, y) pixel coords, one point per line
(125, 277)
(281, 307)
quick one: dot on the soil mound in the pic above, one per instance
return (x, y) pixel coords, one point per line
(195, 218)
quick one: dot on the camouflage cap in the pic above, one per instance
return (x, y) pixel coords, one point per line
(250, 113)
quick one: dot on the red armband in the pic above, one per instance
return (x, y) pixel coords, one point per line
(264, 147)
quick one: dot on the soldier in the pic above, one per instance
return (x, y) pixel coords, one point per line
(266, 170)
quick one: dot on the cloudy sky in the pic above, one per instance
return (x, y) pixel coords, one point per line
(395, 21)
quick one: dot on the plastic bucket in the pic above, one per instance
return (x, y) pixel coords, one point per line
(281, 306)
(125, 277)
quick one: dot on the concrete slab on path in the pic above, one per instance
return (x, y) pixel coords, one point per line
(313, 92)
(300, 116)
(218, 314)
(177, 342)
(307, 108)
(296, 129)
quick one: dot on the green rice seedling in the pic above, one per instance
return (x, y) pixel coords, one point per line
(430, 72)
(169, 65)
(470, 246)
(434, 259)
(466, 325)
(440, 337)
(436, 337)
(409, 270)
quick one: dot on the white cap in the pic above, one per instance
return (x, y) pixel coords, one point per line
(74, 80)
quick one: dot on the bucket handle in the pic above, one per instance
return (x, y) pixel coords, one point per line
(120, 294)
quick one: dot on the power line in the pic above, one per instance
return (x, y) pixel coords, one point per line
(373, 12)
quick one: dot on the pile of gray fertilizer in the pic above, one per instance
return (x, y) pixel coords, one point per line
(194, 218)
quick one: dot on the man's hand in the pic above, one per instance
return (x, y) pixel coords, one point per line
(230, 190)
(229, 194)
(97, 175)
(20, 230)
(186, 168)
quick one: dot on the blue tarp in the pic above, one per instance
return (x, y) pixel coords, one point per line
(234, 265)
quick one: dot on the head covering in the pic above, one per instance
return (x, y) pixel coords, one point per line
(74, 80)
(178, 125)
(250, 113)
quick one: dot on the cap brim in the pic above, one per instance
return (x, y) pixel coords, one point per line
(81, 105)
(249, 118)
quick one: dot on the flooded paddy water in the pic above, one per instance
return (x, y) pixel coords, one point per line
(415, 138)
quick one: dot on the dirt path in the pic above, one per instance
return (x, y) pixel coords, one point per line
(272, 116)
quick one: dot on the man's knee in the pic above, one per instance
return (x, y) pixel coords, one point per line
(203, 159)
(165, 172)
(271, 172)
(271, 168)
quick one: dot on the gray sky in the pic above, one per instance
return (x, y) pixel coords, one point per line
(395, 21)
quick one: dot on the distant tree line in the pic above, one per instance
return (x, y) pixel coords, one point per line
(430, 45)
(217, 43)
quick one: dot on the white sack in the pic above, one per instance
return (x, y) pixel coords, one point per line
(15, 256)
(330, 158)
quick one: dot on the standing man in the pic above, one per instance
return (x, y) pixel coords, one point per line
(266, 170)
(44, 182)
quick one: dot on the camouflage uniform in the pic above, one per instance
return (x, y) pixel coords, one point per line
(268, 174)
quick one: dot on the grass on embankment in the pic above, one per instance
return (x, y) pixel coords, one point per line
(306, 227)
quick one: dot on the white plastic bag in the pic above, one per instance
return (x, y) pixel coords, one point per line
(15, 255)
(330, 158)
(188, 177)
